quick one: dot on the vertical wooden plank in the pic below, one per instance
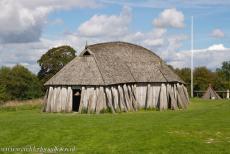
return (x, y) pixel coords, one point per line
(53, 100)
(127, 98)
(90, 101)
(109, 98)
(183, 96)
(163, 98)
(94, 99)
(69, 100)
(50, 96)
(156, 96)
(132, 97)
(149, 101)
(86, 99)
(144, 96)
(173, 103)
(175, 94)
(115, 99)
(121, 99)
(134, 90)
(63, 98)
(97, 108)
(58, 100)
(154, 103)
(179, 98)
(104, 105)
(186, 93)
(98, 102)
(101, 101)
(82, 99)
(45, 99)
(143, 93)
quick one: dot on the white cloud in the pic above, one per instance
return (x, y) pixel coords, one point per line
(153, 39)
(154, 42)
(170, 18)
(22, 21)
(217, 33)
(172, 45)
(27, 54)
(217, 47)
(105, 25)
(210, 57)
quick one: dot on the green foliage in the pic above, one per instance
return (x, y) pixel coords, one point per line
(219, 79)
(224, 75)
(18, 83)
(184, 74)
(202, 78)
(106, 110)
(53, 60)
(84, 110)
(3, 94)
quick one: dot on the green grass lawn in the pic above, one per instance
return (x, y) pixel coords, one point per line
(203, 128)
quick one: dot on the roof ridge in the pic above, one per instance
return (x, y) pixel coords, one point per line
(123, 42)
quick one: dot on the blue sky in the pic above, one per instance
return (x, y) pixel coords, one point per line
(206, 19)
(162, 26)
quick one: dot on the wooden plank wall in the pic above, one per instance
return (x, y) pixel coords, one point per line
(119, 98)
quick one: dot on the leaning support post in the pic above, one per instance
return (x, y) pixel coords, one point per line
(121, 99)
(109, 99)
(115, 99)
(127, 98)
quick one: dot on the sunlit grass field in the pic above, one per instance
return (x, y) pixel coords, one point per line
(203, 128)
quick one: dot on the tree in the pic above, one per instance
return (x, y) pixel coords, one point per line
(4, 79)
(53, 60)
(202, 78)
(184, 74)
(224, 75)
(18, 83)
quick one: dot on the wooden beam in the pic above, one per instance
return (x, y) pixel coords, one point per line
(115, 99)
(163, 98)
(121, 99)
(63, 98)
(132, 98)
(127, 99)
(50, 96)
(149, 102)
(109, 98)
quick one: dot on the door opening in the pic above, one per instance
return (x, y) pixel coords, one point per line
(76, 99)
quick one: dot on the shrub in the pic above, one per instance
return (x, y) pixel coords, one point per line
(18, 83)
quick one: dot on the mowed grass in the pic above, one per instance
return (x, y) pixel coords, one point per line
(203, 128)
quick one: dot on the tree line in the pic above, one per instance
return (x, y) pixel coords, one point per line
(18, 83)
(219, 78)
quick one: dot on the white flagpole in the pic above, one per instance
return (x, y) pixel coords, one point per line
(192, 57)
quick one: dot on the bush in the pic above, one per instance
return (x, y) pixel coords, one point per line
(18, 83)
(3, 94)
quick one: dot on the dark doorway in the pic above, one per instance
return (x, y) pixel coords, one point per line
(76, 99)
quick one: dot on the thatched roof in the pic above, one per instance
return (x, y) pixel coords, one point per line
(113, 63)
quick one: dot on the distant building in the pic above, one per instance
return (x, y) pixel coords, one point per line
(210, 93)
(115, 76)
